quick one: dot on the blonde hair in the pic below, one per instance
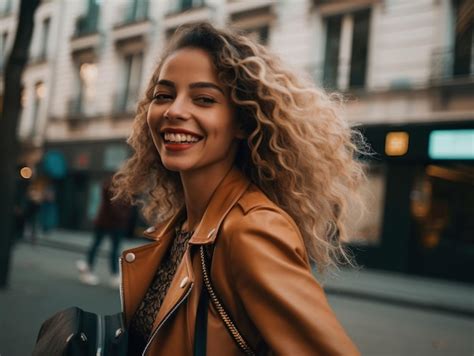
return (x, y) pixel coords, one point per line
(300, 152)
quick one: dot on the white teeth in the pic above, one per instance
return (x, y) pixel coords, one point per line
(179, 137)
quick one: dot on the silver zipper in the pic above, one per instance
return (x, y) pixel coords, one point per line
(121, 285)
(100, 335)
(153, 334)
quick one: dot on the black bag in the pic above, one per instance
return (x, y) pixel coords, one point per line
(75, 332)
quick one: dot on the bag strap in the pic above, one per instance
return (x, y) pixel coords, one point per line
(200, 329)
(230, 325)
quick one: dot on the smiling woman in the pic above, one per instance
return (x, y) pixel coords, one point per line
(245, 172)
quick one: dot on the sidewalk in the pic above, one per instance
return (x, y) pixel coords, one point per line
(380, 286)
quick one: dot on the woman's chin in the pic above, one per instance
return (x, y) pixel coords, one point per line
(175, 166)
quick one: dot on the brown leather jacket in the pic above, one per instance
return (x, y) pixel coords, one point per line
(260, 271)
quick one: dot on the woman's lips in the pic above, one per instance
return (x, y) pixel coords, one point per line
(175, 147)
(179, 139)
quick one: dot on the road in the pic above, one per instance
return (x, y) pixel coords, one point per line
(44, 280)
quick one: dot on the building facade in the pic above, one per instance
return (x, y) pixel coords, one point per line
(406, 68)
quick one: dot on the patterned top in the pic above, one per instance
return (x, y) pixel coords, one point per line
(142, 321)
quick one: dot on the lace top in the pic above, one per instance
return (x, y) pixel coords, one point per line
(142, 321)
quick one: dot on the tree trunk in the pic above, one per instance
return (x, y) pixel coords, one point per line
(8, 130)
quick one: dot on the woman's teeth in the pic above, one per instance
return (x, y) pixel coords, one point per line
(180, 138)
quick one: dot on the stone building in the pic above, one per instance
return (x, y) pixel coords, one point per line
(406, 68)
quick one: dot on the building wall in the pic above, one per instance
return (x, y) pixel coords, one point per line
(403, 36)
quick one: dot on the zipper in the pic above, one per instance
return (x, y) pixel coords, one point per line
(153, 334)
(121, 286)
(100, 335)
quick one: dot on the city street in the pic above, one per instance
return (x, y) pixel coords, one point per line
(44, 280)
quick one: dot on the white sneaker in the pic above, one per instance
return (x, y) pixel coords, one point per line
(89, 278)
(115, 281)
(82, 266)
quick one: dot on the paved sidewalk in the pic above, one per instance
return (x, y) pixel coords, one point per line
(385, 314)
(382, 286)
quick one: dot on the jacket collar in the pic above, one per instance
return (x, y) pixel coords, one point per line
(226, 195)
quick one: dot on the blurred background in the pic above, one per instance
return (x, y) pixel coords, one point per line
(406, 68)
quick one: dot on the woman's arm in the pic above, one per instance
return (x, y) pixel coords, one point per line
(274, 281)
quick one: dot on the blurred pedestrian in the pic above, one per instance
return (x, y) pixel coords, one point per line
(112, 220)
(252, 168)
(34, 199)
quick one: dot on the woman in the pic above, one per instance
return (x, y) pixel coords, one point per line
(235, 153)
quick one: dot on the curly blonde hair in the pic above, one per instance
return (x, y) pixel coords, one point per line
(299, 150)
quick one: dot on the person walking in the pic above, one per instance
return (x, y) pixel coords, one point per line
(245, 170)
(112, 220)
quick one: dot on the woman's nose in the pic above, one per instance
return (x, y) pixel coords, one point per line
(178, 110)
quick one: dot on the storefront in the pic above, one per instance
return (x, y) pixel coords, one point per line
(420, 200)
(78, 193)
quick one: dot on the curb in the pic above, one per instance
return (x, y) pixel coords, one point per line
(330, 290)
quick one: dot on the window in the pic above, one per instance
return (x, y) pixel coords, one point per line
(366, 228)
(132, 69)
(88, 23)
(359, 49)
(331, 59)
(137, 11)
(345, 61)
(83, 102)
(44, 38)
(463, 61)
(183, 5)
(3, 50)
(40, 93)
(259, 34)
(5, 7)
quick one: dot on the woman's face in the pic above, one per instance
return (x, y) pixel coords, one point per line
(191, 118)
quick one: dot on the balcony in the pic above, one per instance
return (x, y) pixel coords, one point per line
(134, 26)
(450, 70)
(125, 103)
(86, 35)
(186, 13)
(38, 59)
(132, 13)
(6, 9)
(75, 111)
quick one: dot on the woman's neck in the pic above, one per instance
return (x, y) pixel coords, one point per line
(198, 187)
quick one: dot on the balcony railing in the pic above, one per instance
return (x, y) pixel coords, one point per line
(445, 66)
(185, 5)
(75, 108)
(6, 9)
(137, 11)
(87, 24)
(125, 102)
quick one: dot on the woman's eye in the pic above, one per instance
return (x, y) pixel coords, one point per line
(162, 97)
(205, 100)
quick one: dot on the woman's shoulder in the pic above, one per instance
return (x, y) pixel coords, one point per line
(255, 212)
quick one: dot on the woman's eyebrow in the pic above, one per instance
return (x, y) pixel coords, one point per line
(170, 84)
(166, 83)
(206, 85)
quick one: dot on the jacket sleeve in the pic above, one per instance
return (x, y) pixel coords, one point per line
(273, 279)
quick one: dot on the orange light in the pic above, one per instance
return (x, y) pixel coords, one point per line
(396, 143)
(26, 172)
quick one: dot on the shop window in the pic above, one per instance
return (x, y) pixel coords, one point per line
(441, 205)
(366, 224)
(93, 199)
